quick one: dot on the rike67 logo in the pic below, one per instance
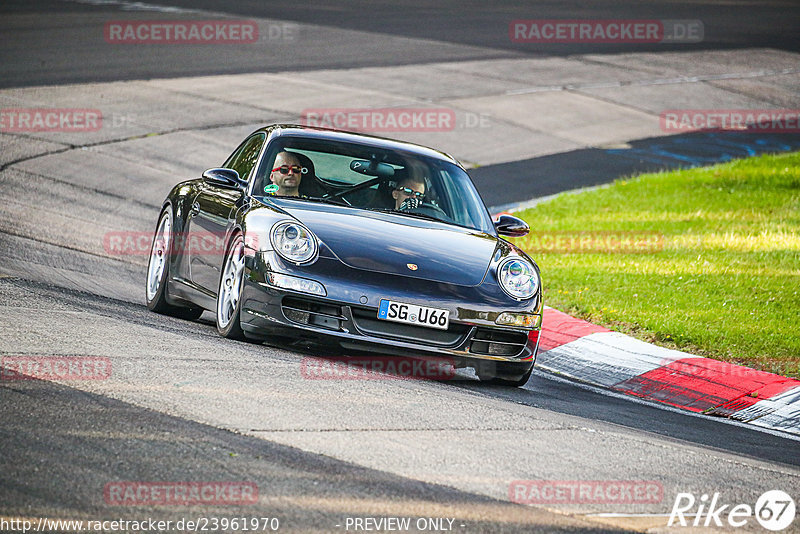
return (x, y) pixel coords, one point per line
(774, 510)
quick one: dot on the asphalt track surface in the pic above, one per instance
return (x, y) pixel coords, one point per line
(390, 33)
(187, 405)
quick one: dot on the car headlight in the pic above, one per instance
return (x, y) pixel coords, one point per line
(293, 242)
(518, 278)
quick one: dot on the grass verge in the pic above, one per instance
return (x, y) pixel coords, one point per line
(704, 260)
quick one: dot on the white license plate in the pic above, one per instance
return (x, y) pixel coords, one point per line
(400, 312)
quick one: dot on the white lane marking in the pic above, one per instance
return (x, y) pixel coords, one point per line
(138, 6)
(655, 81)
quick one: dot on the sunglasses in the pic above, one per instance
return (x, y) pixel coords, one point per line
(408, 191)
(286, 169)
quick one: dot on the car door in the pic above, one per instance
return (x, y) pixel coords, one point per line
(210, 215)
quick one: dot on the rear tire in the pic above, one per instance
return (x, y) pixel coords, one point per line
(158, 272)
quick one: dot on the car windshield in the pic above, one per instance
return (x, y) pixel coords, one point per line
(371, 178)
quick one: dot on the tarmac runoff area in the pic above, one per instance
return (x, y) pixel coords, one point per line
(158, 132)
(535, 127)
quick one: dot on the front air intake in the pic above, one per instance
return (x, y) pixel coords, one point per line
(495, 342)
(313, 313)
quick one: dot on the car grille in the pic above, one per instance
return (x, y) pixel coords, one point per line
(494, 342)
(366, 320)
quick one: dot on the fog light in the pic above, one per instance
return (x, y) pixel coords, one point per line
(296, 284)
(522, 320)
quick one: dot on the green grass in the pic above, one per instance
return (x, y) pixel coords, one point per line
(725, 282)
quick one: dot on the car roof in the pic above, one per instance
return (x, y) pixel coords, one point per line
(297, 130)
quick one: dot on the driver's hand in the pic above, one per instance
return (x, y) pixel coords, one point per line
(410, 204)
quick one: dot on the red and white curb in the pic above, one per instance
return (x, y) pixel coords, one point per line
(583, 351)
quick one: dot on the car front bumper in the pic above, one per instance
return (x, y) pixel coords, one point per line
(490, 349)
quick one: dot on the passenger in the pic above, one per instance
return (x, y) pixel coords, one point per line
(287, 174)
(409, 193)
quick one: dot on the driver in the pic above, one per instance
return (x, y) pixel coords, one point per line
(287, 173)
(409, 193)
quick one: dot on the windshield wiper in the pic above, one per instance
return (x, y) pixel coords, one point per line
(336, 202)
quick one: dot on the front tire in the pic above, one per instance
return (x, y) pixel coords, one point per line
(229, 293)
(158, 272)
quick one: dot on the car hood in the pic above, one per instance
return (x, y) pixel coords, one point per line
(394, 244)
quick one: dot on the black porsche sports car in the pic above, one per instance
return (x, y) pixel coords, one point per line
(366, 242)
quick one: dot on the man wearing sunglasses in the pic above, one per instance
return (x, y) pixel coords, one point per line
(287, 174)
(408, 194)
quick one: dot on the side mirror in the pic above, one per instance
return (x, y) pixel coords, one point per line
(226, 178)
(511, 226)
